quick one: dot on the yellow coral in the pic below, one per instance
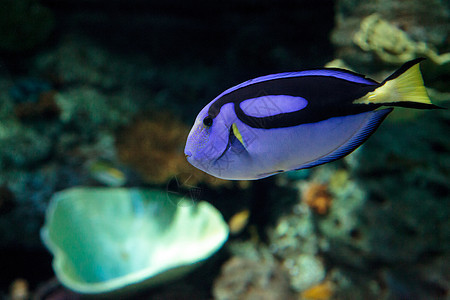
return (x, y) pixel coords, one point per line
(392, 44)
(19, 290)
(239, 221)
(339, 179)
(338, 63)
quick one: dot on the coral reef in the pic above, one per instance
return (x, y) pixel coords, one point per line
(406, 30)
(305, 271)
(375, 216)
(134, 236)
(318, 198)
(90, 110)
(247, 279)
(392, 208)
(107, 102)
(154, 147)
(19, 290)
(366, 221)
(412, 187)
(22, 145)
(25, 145)
(28, 89)
(29, 192)
(294, 241)
(341, 227)
(321, 291)
(239, 221)
(391, 44)
(45, 109)
(252, 274)
(56, 118)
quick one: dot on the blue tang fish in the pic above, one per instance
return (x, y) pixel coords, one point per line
(291, 121)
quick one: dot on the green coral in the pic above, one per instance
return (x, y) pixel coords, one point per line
(295, 242)
(90, 109)
(20, 145)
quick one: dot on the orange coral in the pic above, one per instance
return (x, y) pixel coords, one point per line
(318, 197)
(321, 291)
(154, 147)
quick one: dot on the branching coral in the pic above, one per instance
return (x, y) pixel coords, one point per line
(392, 44)
(252, 276)
(296, 244)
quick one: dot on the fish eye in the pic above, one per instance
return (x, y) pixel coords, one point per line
(208, 121)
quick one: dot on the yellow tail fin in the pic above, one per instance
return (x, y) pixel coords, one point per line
(403, 88)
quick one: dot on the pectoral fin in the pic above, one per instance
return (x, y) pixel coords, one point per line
(238, 135)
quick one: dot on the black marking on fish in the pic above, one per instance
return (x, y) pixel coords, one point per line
(327, 97)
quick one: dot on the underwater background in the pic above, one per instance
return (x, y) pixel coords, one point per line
(96, 101)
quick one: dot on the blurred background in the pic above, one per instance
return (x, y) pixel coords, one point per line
(97, 93)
